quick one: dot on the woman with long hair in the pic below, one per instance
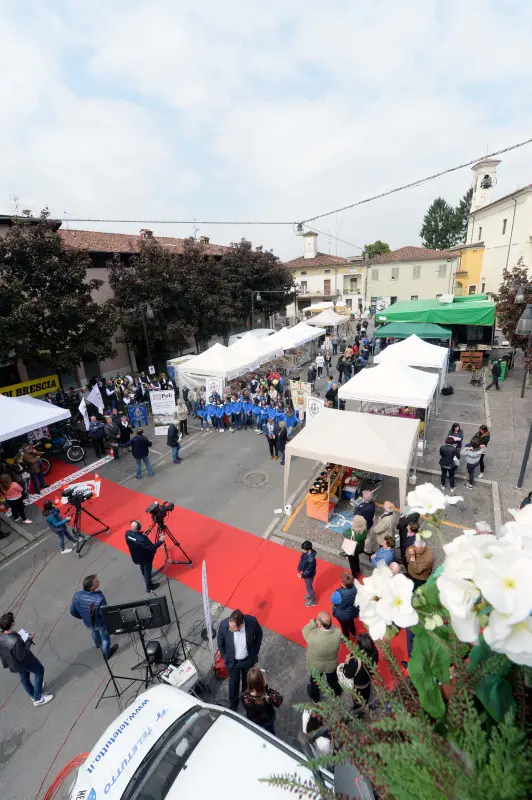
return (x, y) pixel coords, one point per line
(12, 493)
(354, 672)
(260, 701)
(483, 436)
(457, 434)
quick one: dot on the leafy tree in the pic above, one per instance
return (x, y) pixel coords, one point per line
(507, 310)
(47, 311)
(461, 213)
(378, 248)
(438, 231)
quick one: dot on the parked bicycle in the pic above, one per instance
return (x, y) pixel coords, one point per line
(58, 445)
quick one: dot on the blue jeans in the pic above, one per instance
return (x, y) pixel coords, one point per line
(236, 419)
(175, 453)
(471, 472)
(102, 639)
(146, 570)
(282, 456)
(195, 409)
(34, 666)
(146, 460)
(37, 480)
(310, 589)
(62, 534)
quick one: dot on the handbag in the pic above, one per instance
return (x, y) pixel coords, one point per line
(349, 545)
(456, 461)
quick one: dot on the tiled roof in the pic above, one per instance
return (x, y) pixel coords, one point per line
(99, 242)
(321, 260)
(412, 254)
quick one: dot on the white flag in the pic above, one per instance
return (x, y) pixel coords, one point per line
(82, 408)
(95, 398)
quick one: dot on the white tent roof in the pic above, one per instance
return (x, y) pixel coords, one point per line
(393, 384)
(300, 334)
(415, 352)
(216, 362)
(365, 441)
(259, 350)
(328, 317)
(19, 415)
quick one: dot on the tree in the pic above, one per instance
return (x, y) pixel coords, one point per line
(507, 310)
(47, 311)
(438, 231)
(461, 213)
(378, 248)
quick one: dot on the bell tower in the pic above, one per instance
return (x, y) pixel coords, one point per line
(485, 178)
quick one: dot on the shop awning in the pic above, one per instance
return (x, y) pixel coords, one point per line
(393, 384)
(462, 311)
(402, 330)
(20, 415)
(364, 441)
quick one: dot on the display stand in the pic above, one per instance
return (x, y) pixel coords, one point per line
(319, 506)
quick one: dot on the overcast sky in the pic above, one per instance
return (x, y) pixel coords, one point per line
(277, 110)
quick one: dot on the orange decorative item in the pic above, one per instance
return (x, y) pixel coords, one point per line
(220, 670)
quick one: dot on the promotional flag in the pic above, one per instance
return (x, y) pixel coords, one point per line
(95, 398)
(82, 408)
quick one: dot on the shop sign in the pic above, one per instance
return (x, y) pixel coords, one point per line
(34, 388)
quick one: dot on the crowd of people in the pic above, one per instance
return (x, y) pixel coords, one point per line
(474, 453)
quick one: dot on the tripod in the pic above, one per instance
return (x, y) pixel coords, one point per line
(83, 538)
(162, 528)
(148, 670)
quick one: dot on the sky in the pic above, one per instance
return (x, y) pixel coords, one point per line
(246, 111)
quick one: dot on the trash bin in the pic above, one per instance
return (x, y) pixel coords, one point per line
(504, 368)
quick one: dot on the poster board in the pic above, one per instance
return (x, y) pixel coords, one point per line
(299, 392)
(214, 385)
(162, 406)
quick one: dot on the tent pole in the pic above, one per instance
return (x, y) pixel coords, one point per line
(286, 475)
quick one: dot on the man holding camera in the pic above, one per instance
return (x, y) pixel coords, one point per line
(143, 551)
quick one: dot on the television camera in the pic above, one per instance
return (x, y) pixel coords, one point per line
(159, 511)
(76, 496)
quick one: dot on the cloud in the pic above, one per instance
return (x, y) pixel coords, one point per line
(259, 111)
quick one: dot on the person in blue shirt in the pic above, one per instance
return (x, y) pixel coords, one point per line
(58, 525)
(265, 413)
(236, 412)
(256, 414)
(385, 553)
(228, 411)
(202, 415)
(86, 605)
(219, 415)
(210, 412)
(247, 407)
(306, 569)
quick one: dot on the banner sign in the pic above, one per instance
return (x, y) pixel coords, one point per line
(214, 385)
(58, 485)
(300, 391)
(314, 406)
(138, 415)
(94, 487)
(36, 387)
(207, 608)
(162, 406)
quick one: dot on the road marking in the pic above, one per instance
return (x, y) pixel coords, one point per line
(293, 515)
(459, 403)
(452, 421)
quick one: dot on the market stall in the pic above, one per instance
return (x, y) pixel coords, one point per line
(402, 330)
(20, 415)
(383, 445)
(416, 353)
(328, 318)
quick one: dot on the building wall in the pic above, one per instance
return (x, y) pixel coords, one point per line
(469, 272)
(346, 285)
(406, 280)
(122, 361)
(504, 243)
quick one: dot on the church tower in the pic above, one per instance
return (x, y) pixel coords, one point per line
(485, 179)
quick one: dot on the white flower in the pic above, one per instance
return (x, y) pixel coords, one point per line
(516, 534)
(375, 624)
(396, 606)
(452, 500)
(514, 640)
(523, 516)
(505, 581)
(426, 499)
(459, 596)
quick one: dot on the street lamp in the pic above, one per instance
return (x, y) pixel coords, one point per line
(256, 295)
(146, 312)
(524, 326)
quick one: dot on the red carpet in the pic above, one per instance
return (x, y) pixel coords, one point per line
(255, 575)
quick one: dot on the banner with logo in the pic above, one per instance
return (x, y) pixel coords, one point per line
(215, 385)
(138, 415)
(36, 387)
(314, 407)
(162, 406)
(299, 392)
(207, 608)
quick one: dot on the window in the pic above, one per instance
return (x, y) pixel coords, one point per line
(504, 226)
(416, 272)
(483, 288)
(480, 233)
(349, 303)
(303, 287)
(303, 271)
(472, 289)
(326, 271)
(374, 274)
(414, 297)
(395, 273)
(442, 270)
(327, 286)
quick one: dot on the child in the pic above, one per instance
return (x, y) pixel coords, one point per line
(219, 414)
(236, 411)
(247, 407)
(227, 412)
(202, 415)
(256, 414)
(58, 525)
(306, 569)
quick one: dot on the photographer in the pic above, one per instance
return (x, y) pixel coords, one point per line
(58, 525)
(142, 552)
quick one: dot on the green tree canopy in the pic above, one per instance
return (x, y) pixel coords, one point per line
(438, 231)
(378, 248)
(506, 309)
(47, 310)
(461, 213)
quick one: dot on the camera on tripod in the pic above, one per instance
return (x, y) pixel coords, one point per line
(77, 495)
(159, 511)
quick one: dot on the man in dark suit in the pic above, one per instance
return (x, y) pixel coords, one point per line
(366, 508)
(142, 552)
(239, 641)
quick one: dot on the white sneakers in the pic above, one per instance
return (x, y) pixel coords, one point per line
(66, 550)
(45, 698)
(480, 474)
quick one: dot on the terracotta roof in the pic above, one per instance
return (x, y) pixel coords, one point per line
(412, 254)
(99, 242)
(321, 260)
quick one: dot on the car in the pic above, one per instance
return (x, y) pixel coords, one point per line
(258, 333)
(168, 745)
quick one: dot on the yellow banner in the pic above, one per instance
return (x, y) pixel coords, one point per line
(38, 386)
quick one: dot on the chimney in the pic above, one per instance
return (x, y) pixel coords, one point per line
(485, 179)
(310, 244)
(146, 233)
(204, 239)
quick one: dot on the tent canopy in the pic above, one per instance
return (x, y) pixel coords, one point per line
(392, 384)
(462, 311)
(216, 362)
(19, 415)
(328, 317)
(364, 441)
(253, 350)
(402, 330)
(301, 334)
(415, 352)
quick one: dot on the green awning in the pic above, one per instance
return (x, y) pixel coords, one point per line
(465, 311)
(402, 330)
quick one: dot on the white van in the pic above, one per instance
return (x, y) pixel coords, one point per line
(258, 333)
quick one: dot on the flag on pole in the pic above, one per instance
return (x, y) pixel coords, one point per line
(82, 408)
(95, 398)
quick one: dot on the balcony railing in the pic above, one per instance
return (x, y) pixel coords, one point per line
(351, 290)
(301, 293)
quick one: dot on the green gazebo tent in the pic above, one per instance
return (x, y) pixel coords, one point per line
(402, 330)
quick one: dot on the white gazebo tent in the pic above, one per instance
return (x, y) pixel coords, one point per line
(20, 415)
(257, 350)
(216, 362)
(416, 353)
(328, 317)
(301, 334)
(386, 445)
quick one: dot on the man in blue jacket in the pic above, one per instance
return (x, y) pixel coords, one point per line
(140, 447)
(142, 552)
(86, 605)
(306, 569)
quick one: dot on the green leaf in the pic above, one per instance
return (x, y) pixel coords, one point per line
(429, 664)
(496, 695)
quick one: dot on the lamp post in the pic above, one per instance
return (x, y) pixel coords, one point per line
(256, 295)
(524, 326)
(146, 312)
